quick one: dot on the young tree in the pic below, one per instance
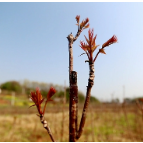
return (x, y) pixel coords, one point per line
(89, 47)
(38, 99)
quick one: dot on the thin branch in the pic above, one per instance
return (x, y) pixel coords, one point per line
(88, 94)
(96, 56)
(45, 125)
(77, 34)
(82, 54)
(70, 39)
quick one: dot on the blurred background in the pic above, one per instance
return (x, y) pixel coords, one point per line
(34, 53)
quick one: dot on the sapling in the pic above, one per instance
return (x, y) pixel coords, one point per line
(89, 48)
(73, 107)
(38, 99)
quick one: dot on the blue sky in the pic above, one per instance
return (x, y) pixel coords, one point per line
(33, 45)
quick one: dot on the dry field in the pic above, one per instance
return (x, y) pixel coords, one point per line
(104, 123)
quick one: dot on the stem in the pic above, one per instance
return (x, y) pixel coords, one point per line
(96, 56)
(71, 120)
(45, 125)
(44, 107)
(73, 107)
(88, 94)
(72, 102)
(70, 39)
(77, 34)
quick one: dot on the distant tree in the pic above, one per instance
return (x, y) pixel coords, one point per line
(60, 94)
(81, 96)
(116, 100)
(44, 92)
(94, 99)
(12, 86)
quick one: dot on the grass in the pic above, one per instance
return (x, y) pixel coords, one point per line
(104, 123)
(19, 123)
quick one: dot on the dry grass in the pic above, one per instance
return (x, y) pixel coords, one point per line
(104, 123)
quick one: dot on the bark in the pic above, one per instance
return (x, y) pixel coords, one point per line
(73, 107)
(77, 35)
(70, 39)
(45, 125)
(88, 94)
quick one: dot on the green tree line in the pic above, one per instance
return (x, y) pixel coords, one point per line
(27, 87)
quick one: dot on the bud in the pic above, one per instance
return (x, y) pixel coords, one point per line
(110, 41)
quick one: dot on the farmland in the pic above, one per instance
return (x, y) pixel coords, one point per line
(105, 122)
